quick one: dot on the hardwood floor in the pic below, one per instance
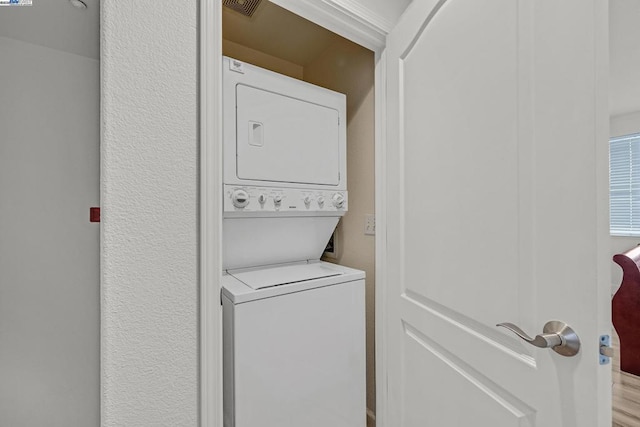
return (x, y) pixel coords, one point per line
(626, 393)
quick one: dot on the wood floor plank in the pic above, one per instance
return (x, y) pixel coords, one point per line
(626, 392)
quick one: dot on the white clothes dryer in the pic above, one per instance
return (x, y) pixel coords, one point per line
(285, 177)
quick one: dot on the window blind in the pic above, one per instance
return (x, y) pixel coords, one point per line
(624, 185)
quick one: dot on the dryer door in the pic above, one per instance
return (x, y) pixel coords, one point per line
(283, 139)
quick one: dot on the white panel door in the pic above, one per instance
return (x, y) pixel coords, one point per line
(497, 212)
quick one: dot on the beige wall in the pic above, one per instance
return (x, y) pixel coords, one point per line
(625, 124)
(348, 68)
(255, 57)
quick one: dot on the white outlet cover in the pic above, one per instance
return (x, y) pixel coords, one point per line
(370, 224)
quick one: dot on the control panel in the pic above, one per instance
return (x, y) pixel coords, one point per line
(290, 200)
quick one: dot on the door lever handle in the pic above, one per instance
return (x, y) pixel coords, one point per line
(556, 335)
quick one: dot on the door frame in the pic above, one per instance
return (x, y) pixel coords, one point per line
(354, 22)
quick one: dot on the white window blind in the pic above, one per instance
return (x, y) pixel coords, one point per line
(624, 185)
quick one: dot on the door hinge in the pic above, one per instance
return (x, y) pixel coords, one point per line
(606, 352)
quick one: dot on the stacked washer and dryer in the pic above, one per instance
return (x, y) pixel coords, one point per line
(294, 328)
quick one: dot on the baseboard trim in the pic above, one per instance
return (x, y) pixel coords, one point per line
(371, 418)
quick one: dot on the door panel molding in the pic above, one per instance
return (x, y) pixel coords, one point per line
(523, 173)
(435, 9)
(506, 178)
(519, 409)
(472, 328)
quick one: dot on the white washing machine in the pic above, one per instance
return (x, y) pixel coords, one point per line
(294, 353)
(294, 327)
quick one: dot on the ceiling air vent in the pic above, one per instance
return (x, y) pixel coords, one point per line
(245, 7)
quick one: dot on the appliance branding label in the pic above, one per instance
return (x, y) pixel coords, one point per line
(15, 2)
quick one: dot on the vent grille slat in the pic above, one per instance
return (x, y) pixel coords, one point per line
(245, 7)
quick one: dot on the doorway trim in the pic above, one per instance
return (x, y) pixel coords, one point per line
(344, 17)
(210, 328)
(354, 22)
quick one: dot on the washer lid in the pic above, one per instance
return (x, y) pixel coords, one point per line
(237, 292)
(268, 277)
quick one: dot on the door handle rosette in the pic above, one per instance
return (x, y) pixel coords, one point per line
(556, 335)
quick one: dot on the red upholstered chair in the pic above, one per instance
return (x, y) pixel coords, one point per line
(626, 310)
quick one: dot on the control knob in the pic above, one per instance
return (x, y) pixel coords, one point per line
(307, 201)
(240, 198)
(320, 201)
(338, 200)
(277, 201)
(262, 199)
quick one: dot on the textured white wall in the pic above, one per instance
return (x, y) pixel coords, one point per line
(49, 259)
(149, 199)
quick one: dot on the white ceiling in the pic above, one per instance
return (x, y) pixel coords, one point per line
(273, 30)
(55, 24)
(277, 32)
(624, 45)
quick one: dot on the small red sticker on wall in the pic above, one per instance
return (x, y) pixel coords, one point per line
(94, 214)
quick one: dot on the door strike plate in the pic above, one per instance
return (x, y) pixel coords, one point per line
(606, 352)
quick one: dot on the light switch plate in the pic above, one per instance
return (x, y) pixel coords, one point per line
(370, 224)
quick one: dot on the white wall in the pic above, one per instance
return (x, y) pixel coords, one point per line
(384, 13)
(391, 10)
(150, 212)
(624, 64)
(49, 252)
(624, 124)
